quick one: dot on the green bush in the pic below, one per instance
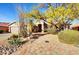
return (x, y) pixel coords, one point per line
(14, 40)
(69, 36)
(52, 31)
(1, 31)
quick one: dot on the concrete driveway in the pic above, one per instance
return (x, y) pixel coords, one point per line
(5, 36)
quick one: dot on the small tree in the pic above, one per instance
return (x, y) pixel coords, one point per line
(61, 16)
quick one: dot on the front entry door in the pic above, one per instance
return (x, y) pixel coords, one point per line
(39, 28)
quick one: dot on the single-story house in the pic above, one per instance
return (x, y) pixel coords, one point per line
(75, 27)
(75, 24)
(4, 27)
(14, 28)
(40, 25)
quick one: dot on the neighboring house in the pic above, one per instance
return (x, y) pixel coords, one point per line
(75, 27)
(75, 24)
(14, 28)
(4, 27)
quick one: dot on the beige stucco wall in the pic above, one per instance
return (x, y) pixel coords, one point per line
(14, 28)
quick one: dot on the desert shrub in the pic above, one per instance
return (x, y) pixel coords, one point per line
(52, 31)
(14, 36)
(1, 31)
(14, 40)
(69, 36)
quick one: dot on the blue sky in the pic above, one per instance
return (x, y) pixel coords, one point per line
(9, 13)
(75, 21)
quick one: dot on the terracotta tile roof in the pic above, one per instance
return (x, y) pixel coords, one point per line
(75, 25)
(4, 24)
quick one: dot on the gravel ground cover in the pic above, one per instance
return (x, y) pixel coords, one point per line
(47, 45)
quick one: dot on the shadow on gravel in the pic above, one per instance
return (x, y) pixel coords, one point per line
(25, 42)
(37, 35)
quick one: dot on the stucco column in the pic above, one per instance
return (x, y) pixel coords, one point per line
(42, 23)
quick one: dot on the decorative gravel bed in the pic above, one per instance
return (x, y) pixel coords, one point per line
(47, 45)
(7, 50)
